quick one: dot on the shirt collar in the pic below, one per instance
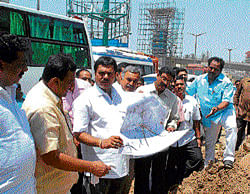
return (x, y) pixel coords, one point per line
(9, 94)
(219, 78)
(101, 92)
(51, 95)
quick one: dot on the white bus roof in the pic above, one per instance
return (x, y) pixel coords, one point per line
(39, 12)
(121, 55)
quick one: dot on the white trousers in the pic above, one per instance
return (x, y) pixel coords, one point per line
(228, 122)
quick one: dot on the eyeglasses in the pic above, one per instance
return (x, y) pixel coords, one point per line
(213, 68)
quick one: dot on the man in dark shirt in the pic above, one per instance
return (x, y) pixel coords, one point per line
(242, 105)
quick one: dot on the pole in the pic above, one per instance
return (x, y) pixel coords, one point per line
(38, 4)
(229, 55)
(195, 41)
(195, 46)
(106, 23)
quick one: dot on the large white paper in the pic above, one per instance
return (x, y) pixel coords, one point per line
(144, 118)
(149, 146)
(143, 129)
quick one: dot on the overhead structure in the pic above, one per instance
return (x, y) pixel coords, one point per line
(160, 28)
(108, 20)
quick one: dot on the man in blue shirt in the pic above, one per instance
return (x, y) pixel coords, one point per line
(215, 93)
(17, 147)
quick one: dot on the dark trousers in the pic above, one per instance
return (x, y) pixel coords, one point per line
(182, 161)
(142, 172)
(78, 187)
(241, 125)
(106, 186)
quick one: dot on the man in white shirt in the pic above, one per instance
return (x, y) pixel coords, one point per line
(142, 166)
(97, 123)
(185, 155)
(17, 148)
(129, 83)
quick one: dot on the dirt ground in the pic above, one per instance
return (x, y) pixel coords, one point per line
(218, 179)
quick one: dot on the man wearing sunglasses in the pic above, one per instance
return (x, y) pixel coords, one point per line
(215, 93)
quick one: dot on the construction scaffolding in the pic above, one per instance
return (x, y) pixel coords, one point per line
(160, 28)
(108, 20)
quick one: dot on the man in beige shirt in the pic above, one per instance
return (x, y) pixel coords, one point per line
(57, 161)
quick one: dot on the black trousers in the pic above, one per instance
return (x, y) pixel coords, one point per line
(78, 187)
(241, 125)
(182, 161)
(157, 164)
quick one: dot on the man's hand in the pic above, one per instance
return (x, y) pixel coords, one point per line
(213, 111)
(170, 129)
(112, 142)
(199, 142)
(100, 169)
(76, 142)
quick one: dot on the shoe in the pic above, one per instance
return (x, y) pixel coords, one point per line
(228, 164)
(209, 165)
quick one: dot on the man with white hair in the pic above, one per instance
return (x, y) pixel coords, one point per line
(130, 77)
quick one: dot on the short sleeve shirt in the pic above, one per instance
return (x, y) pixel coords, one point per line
(191, 113)
(212, 95)
(99, 115)
(50, 128)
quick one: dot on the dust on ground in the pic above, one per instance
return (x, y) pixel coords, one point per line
(217, 179)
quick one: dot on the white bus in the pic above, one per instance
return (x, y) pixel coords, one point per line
(48, 34)
(124, 55)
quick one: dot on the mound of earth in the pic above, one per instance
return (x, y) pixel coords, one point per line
(217, 179)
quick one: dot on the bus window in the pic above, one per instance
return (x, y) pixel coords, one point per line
(53, 29)
(63, 31)
(79, 55)
(48, 28)
(39, 27)
(12, 22)
(42, 51)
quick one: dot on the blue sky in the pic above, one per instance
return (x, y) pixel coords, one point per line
(226, 23)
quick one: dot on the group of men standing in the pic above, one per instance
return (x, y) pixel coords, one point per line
(41, 144)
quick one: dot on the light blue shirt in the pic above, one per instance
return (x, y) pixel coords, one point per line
(17, 148)
(212, 95)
